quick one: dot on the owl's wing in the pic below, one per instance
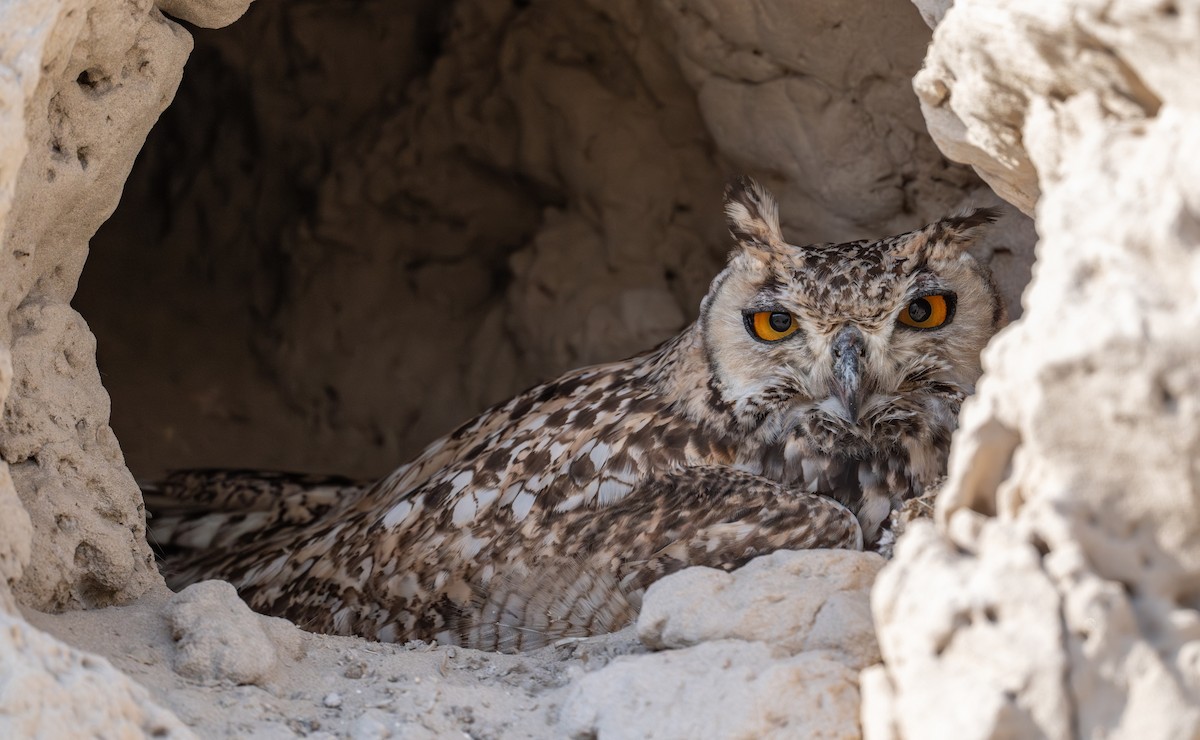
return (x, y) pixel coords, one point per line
(530, 418)
(202, 509)
(714, 516)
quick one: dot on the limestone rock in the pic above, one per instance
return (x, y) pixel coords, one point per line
(792, 93)
(217, 637)
(16, 531)
(205, 13)
(973, 642)
(795, 601)
(66, 464)
(1071, 513)
(878, 709)
(80, 85)
(1023, 57)
(727, 688)
(288, 639)
(50, 690)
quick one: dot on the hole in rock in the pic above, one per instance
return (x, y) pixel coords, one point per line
(359, 224)
(94, 81)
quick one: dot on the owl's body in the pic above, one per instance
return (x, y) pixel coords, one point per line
(803, 403)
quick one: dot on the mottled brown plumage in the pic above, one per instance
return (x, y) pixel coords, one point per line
(548, 515)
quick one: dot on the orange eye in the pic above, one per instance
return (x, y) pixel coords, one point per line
(771, 326)
(928, 312)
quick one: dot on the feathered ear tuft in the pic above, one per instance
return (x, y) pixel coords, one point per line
(752, 213)
(947, 238)
(955, 228)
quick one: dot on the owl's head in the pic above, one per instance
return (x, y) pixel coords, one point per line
(847, 334)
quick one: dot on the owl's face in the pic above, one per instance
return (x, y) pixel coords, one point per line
(844, 335)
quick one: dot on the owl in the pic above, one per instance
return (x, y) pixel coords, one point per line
(817, 390)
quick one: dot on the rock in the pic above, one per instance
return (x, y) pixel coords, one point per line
(1061, 570)
(205, 13)
(726, 688)
(989, 77)
(80, 85)
(16, 530)
(50, 690)
(878, 708)
(290, 641)
(993, 618)
(217, 637)
(59, 448)
(795, 601)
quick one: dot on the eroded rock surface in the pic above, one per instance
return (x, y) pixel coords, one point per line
(793, 601)
(16, 530)
(1068, 534)
(218, 638)
(728, 688)
(48, 689)
(205, 13)
(82, 85)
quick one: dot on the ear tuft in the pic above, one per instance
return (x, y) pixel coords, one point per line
(953, 234)
(955, 227)
(751, 212)
(947, 238)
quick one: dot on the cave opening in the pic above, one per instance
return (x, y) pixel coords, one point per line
(359, 224)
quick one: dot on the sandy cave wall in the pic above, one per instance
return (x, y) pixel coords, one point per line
(1062, 572)
(81, 86)
(357, 226)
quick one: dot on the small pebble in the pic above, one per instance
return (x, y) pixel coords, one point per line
(332, 700)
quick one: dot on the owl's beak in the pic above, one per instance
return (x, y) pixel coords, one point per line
(848, 350)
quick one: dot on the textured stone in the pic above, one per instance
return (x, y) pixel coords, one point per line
(718, 689)
(1025, 58)
(205, 13)
(67, 466)
(794, 601)
(217, 637)
(989, 631)
(1071, 513)
(80, 85)
(50, 690)
(16, 530)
